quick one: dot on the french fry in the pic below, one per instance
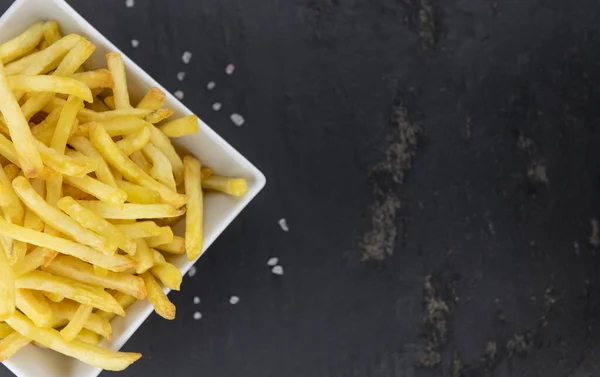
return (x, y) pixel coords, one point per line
(22, 44)
(164, 238)
(12, 344)
(159, 115)
(63, 164)
(230, 186)
(116, 263)
(157, 297)
(123, 299)
(110, 102)
(139, 159)
(76, 193)
(71, 289)
(206, 172)
(54, 84)
(134, 142)
(119, 126)
(5, 330)
(162, 142)
(89, 337)
(116, 67)
(73, 268)
(88, 353)
(140, 229)
(30, 262)
(51, 32)
(11, 171)
(168, 274)
(97, 105)
(44, 131)
(106, 193)
(138, 194)
(100, 78)
(153, 100)
(54, 297)
(194, 215)
(65, 311)
(9, 202)
(34, 305)
(177, 246)
(70, 331)
(32, 220)
(117, 159)
(43, 61)
(161, 169)
(18, 252)
(87, 115)
(7, 287)
(90, 220)
(143, 257)
(84, 146)
(180, 127)
(131, 211)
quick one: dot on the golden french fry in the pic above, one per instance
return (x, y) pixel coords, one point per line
(169, 275)
(84, 146)
(11, 171)
(34, 305)
(11, 344)
(87, 115)
(116, 263)
(153, 100)
(97, 105)
(164, 238)
(157, 297)
(161, 169)
(76, 193)
(44, 131)
(115, 127)
(139, 194)
(100, 78)
(106, 193)
(194, 215)
(230, 186)
(65, 123)
(32, 220)
(134, 142)
(117, 159)
(162, 142)
(70, 331)
(159, 115)
(131, 211)
(180, 127)
(7, 287)
(51, 32)
(71, 289)
(65, 310)
(5, 330)
(30, 262)
(206, 172)
(9, 202)
(54, 84)
(89, 337)
(43, 61)
(90, 220)
(76, 269)
(123, 299)
(177, 246)
(18, 252)
(110, 102)
(88, 353)
(22, 44)
(116, 66)
(63, 164)
(54, 297)
(83, 160)
(138, 158)
(143, 229)
(143, 257)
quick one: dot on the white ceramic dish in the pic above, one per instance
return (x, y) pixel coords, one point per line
(213, 151)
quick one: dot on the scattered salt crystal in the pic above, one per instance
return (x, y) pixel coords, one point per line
(277, 270)
(179, 94)
(197, 315)
(234, 300)
(192, 271)
(229, 69)
(283, 224)
(135, 43)
(237, 119)
(186, 57)
(196, 300)
(129, 3)
(211, 85)
(272, 261)
(180, 76)
(216, 106)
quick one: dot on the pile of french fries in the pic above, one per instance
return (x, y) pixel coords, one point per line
(89, 186)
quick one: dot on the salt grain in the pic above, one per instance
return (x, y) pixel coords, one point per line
(229, 69)
(197, 315)
(272, 261)
(211, 85)
(277, 270)
(129, 3)
(283, 224)
(216, 106)
(192, 271)
(186, 57)
(179, 94)
(196, 300)
(181, 76)
(234, 300)
(237, 119)
(135, 43)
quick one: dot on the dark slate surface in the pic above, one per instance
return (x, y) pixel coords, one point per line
(438, 164)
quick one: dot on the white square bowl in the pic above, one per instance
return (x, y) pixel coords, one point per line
(212, 150)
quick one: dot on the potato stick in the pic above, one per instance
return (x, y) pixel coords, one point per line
(54, 84)
(28, 156)
(82, 159)
(94, 222)
(131, 211)
(51, 32)
(177, 246)
(165, 237)
(11, 171)
(162, 142)
(5, 330)
(64, 164)
(84, 146)
(157, 297)
(116, 66)
(102, 191)
(71, 289)
(139, 194)
(44, 131)
(230, 186)
(143, 257)
(134, 142)
(116, 263)
(139, 159)
(83, 272)
(76, 193)
(194, 215)
(100, 271)
(206, 172)
(30, 262)
(65, 122)
(19, 251)
(115, 127)
(44, 61)
(123, 299)
(12, 344)
(89, 337)
(9, 202)
(117, 175)
(97, 105)
(117, 159)
(168, 274)
(100, 78)
(142, 229)
(32, 220)
(70, 331)
(159, 115)
(42, 46)
(34, 305)
(153, 100)
(158, 257)
(54, 297)
(88, 353)
(7, 287)
(110, 102)
(65, 310)
(22, 44)
(87, 115)
(180, 127)
(162, 170)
